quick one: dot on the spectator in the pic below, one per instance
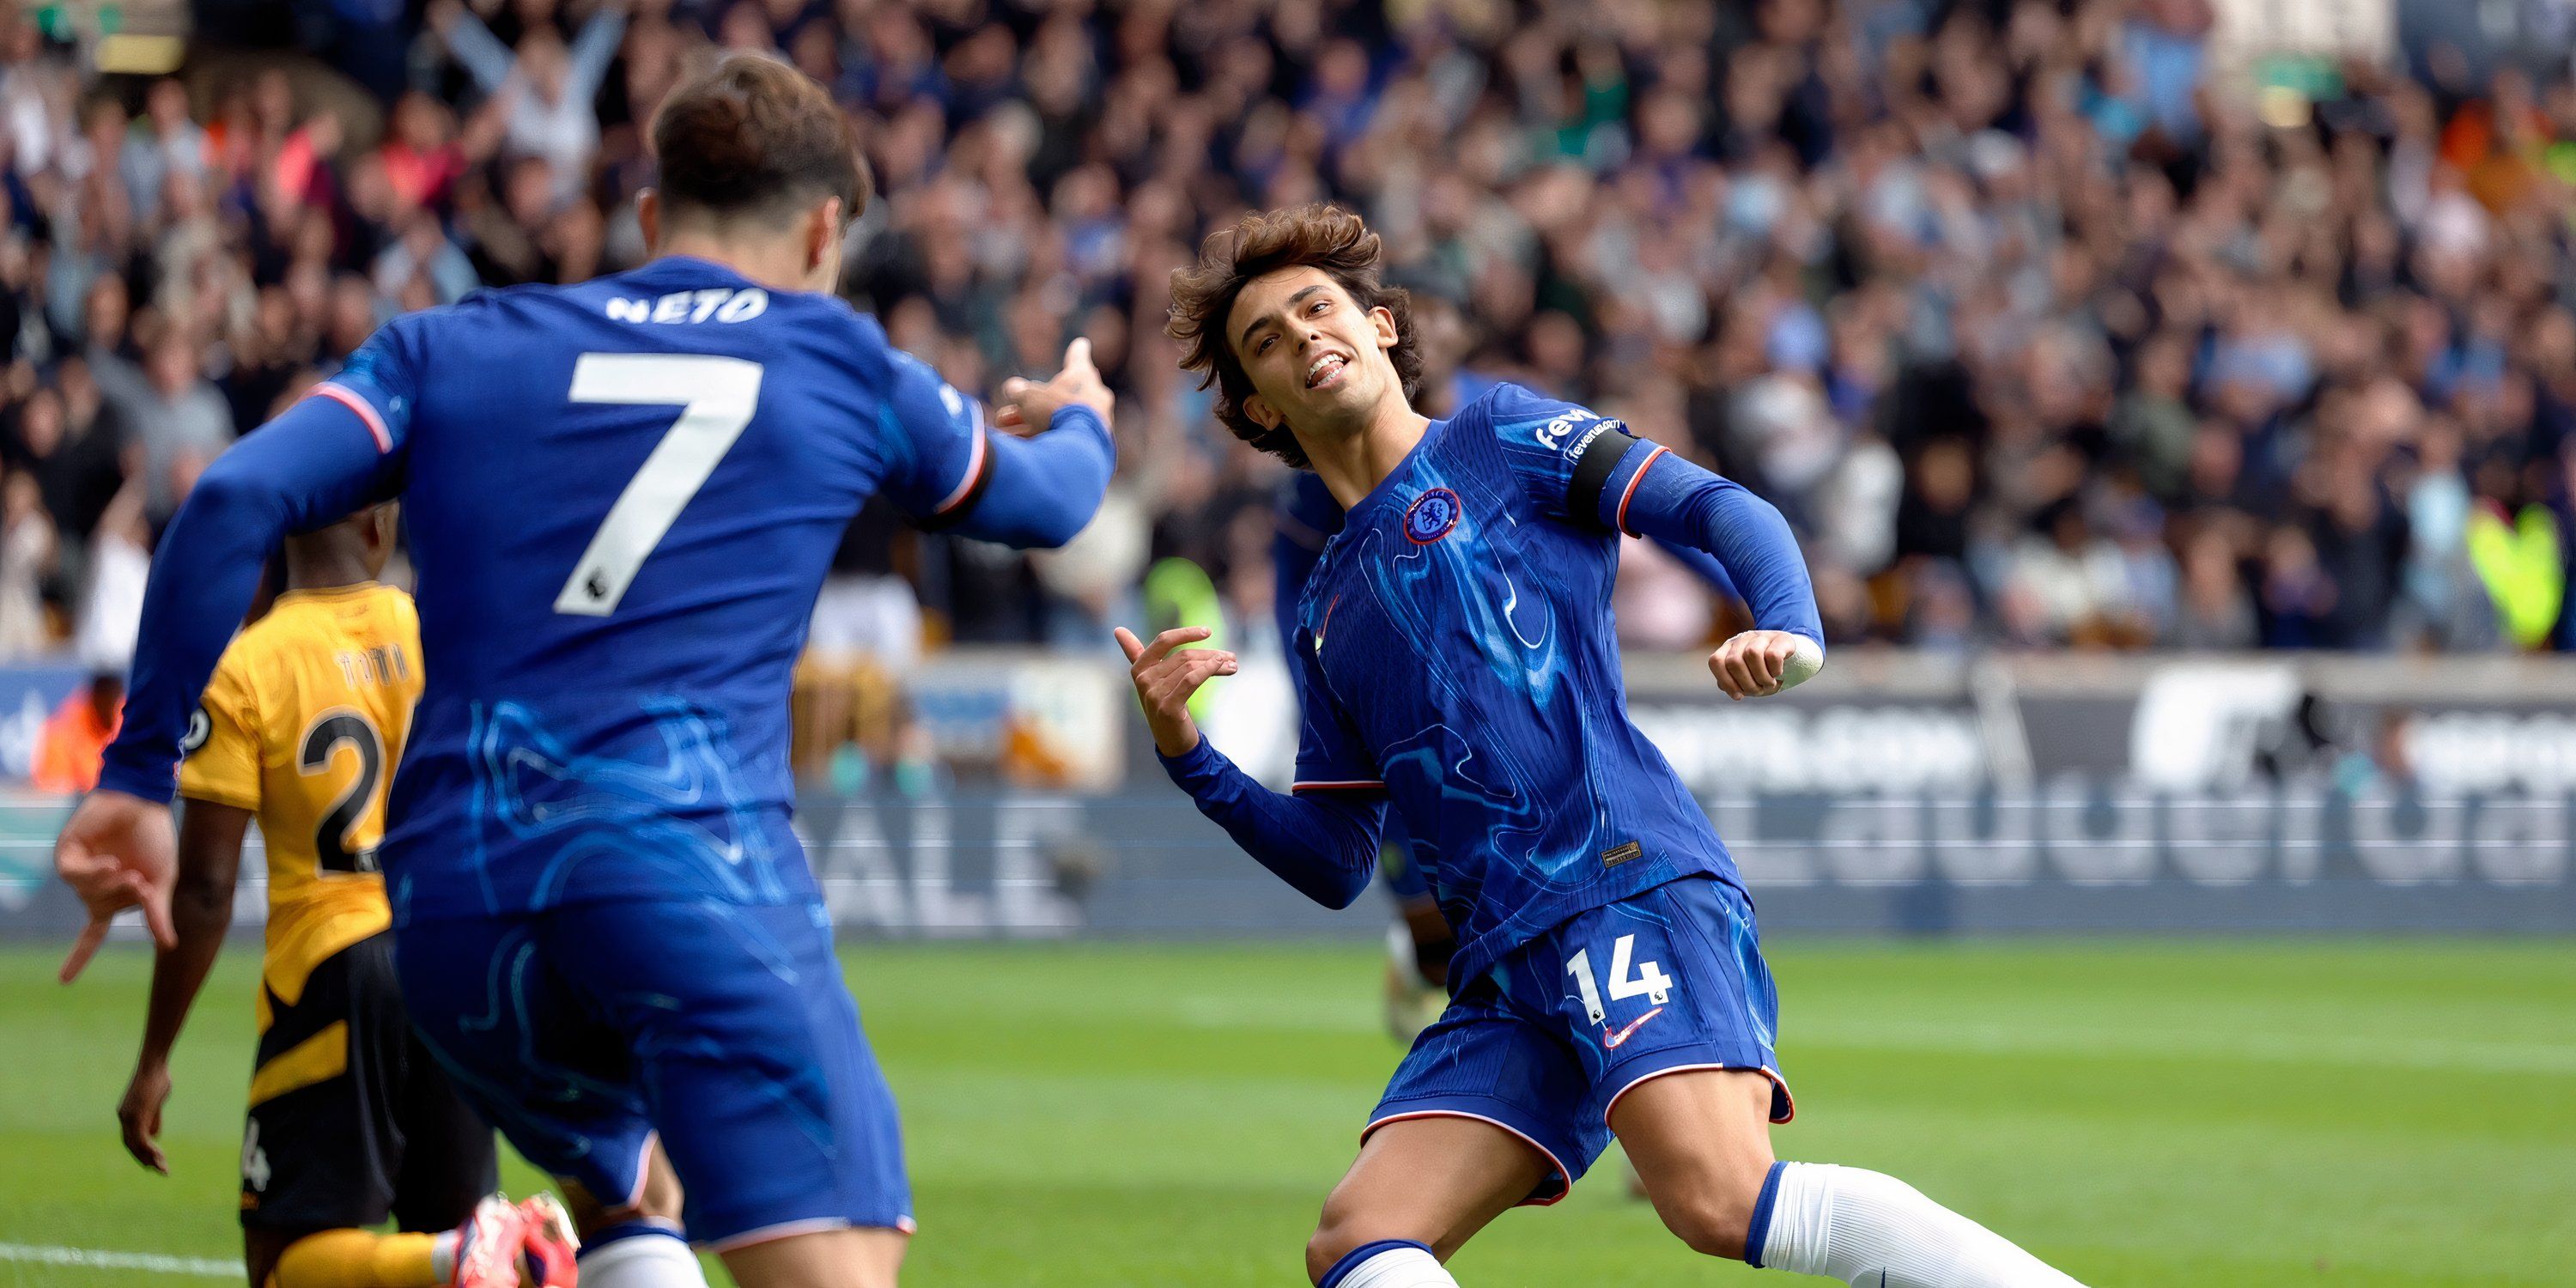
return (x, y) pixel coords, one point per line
(2035, 329)
(166, 144)
(27, 548)
(2067, 585)
(73, 741)
(68, 445)
(423, 252)
(421, 157)
(2215, 611)
(180, 422)
(543, 89)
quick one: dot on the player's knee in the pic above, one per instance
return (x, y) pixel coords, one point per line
(1713, 1221)
(1344, 1227)
(1712, 1230)
(1324, 1248)
(658, 1199)
(1336, 1233)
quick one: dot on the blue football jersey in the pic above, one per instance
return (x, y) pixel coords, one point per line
(621, 498)
(1455, 649)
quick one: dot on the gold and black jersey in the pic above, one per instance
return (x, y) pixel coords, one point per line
(302, 725)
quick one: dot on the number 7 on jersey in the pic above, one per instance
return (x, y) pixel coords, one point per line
(717, 397)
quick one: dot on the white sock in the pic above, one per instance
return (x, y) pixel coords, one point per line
(656, 1260)
(1387, 1264)
(1878, 1232)
(442, 1254)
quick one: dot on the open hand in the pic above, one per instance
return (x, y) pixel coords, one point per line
(1166, 675)
(117, 852)
(1028, 406)
(140, 1114)
(1757, 664)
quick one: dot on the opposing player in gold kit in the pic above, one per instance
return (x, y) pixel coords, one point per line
(350, 1120)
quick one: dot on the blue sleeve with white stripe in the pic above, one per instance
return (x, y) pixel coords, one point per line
(1649, 492)
(957, 473)
(380, 383)
(333, 453)
(1325, 844)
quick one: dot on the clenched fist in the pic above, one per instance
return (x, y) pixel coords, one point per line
(1757, 664)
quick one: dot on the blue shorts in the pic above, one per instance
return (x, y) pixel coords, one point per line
(1676, 981)
(585, 1032)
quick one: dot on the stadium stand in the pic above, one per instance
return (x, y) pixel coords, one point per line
(2038, 336)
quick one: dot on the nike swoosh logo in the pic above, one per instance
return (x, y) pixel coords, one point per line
(1611, 1041)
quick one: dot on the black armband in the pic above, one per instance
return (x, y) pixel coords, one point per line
(1592, 471)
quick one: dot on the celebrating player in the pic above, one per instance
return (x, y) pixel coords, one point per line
(350, 1119)
(1454, 657)
(1420, 942)
(622, 497)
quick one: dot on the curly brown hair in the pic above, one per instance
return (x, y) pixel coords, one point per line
(1327, 238)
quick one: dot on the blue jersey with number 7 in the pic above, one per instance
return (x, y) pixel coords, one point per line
(621, 498)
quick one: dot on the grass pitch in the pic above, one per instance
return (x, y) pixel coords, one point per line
(2174, 1113)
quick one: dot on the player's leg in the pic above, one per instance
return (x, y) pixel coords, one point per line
(449, 1171)
(484, 1252)
(773, 1112)
(263, 1245)
(1700, 1143)
(1483, 1115)
(639, 1241)
(1684, 971)
(444, 1160)
(843, 1258)
(325, 1149)
(1420, 1188)
(521, 1048)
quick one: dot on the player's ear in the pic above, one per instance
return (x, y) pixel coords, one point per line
(1261, 412)
(648, 219)
(822, 232)
(1383, 318)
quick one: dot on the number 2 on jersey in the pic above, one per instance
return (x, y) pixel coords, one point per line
(717, 397)
(328, 735)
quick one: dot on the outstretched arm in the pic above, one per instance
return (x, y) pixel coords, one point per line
(1593, 473)
(1650, 492)
(1325, 846)
(201, 910)
(1043, 490)
(318, 462)
(593, 50)
(1036, 491)
(473, 45)
(1704, 565)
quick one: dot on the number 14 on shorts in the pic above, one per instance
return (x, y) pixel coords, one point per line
(1648, 978)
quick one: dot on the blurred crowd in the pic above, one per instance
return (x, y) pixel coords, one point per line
(2039, 333)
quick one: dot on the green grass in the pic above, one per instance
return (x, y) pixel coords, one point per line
(2180, 1113)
